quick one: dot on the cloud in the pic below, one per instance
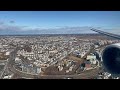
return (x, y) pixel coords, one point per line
(24, 26)
(1, 23)
(13, 29)
(12, 22)
(10, 29)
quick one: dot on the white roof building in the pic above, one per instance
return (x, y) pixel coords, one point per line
(8, 53)
(89, 57)
(92, 59)
(8, 77)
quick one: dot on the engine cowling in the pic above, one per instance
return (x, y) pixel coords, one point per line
(111, 58)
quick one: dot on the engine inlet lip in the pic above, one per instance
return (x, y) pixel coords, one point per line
(114, 46)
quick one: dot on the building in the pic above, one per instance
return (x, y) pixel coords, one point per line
(8, 76)
(38, 70)
(87, 65)
(7, 53)
(92, 59)
(89, 57)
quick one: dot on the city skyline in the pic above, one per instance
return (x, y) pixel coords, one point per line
(58, 22)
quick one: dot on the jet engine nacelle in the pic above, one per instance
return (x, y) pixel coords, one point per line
(111, 58)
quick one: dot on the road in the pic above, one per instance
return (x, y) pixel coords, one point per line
(84, 75)
(10, 60)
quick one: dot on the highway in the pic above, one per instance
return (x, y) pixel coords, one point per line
(10, 59)
(5, 67)
(84, 75)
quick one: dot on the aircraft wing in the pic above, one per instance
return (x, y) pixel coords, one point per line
(106, 33)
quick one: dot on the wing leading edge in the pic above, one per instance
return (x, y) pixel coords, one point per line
(106, 33)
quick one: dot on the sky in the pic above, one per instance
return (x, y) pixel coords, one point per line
(39, 20)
